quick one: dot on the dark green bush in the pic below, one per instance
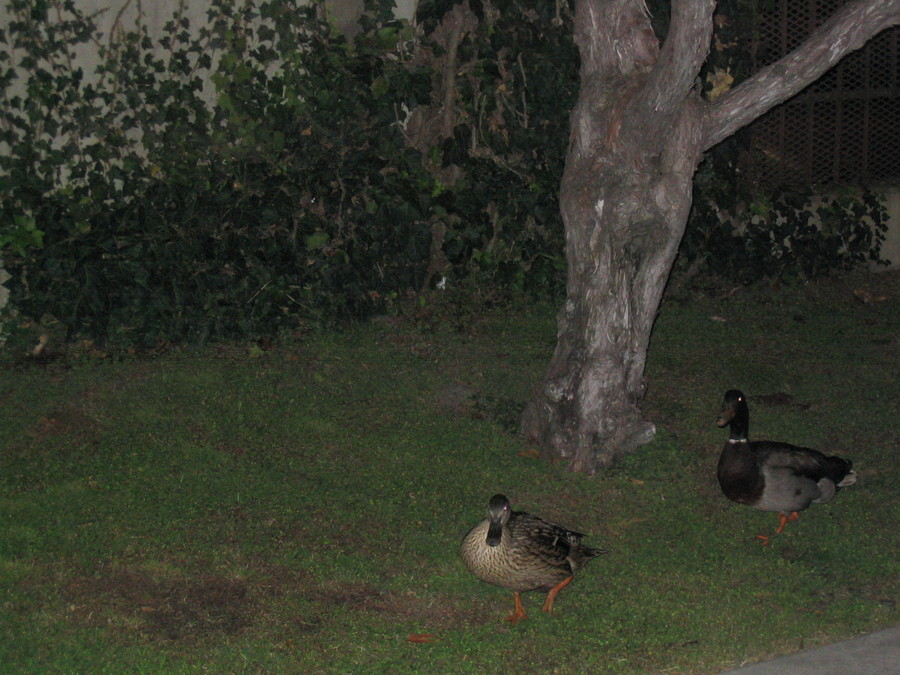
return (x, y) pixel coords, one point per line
(294, 197)
(743, 233)
(747, 237)
(260, 171)
(165, 218)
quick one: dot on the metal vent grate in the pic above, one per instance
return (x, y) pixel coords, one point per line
(844, 129)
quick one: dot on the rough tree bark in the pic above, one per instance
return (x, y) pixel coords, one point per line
(638, 132)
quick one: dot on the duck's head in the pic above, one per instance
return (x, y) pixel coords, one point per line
(735, 411)
(499, 511)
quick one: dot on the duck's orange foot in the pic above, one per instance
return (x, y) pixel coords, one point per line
(784, 520)
(518, 613)
(551, 596)
(763, 540)
(515, 618)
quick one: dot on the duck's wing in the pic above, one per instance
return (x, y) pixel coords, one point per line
(800, 461)
(549, 542)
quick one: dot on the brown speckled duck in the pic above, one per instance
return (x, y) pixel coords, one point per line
(521, 552)
(774, 476)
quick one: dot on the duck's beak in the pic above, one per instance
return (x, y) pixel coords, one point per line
(495, 530)
(725, 417)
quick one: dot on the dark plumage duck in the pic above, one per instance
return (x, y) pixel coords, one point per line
(774, 476)
(521, 552)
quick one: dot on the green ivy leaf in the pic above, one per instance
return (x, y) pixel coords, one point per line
(316, 240)
(379, 87)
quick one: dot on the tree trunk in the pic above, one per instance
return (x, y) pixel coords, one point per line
(639, 129)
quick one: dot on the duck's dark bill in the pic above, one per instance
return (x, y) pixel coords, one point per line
(494, 531)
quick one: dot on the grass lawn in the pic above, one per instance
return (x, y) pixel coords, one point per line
(298, 509)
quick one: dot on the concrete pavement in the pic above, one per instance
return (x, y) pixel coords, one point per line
(875, 653)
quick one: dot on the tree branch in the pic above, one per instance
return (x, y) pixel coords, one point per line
(849, 29)
(614, 36)
(682, 55)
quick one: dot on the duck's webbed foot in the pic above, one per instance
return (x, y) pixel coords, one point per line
(784, 519)
(551, 596)
(519, 612)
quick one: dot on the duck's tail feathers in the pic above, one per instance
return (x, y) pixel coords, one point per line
(593, 552)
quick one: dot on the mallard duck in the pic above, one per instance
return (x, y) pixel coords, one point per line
(521, 552)
(774, 476)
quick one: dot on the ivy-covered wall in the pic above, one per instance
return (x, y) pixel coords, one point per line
(311, 190)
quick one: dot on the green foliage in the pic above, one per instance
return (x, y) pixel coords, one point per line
(261, 171)
(516, 82)
(292, 198)
(784, 234)
(741, 233)
(133, 210)
(21, 234)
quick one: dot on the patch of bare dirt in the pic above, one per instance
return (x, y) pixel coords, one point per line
(436, 614)
(69, 422)
(170, 609)
(66, 427)
(189, 609)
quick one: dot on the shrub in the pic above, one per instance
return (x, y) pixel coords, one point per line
(164, 218)
(255, 173)
(784, 234)
(262, 171)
